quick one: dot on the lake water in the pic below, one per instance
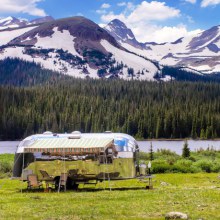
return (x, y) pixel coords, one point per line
(176, 146)
(8, 147)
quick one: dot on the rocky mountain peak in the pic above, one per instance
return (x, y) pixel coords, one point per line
(208, 38)
(12, 22)
(87, 34)
(118, 24)
(123, 34)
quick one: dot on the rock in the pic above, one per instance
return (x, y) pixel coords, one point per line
(164, 184)
(176, 215)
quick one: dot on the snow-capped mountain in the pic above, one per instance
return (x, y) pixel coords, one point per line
(12, 22)
(79, 47)
(76, 46)
(123, 34)
(200, 52)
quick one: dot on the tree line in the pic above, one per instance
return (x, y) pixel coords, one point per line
(142, 109)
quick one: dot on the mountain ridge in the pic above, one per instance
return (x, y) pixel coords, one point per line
(200, 51)
(86, 50)
(78, 47)
(12, 22)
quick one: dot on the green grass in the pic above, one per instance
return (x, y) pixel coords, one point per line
(195, 194)
(6, 165)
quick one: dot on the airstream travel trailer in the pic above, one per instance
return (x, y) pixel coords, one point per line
(83, 157)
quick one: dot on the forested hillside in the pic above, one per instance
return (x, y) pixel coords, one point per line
(142, 109)
(23, 73)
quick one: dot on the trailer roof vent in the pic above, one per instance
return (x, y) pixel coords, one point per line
(48, 132)
(75, 135)
(76, 132)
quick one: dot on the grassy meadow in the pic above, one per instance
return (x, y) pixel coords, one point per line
(187, 185)
(195, 194)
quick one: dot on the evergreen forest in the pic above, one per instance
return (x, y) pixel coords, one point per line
(34, 100)
(142, 109)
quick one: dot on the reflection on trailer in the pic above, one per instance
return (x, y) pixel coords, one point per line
(83, 157)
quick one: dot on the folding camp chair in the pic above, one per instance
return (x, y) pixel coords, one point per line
(48, 179)
(45, 175)
(33, 182)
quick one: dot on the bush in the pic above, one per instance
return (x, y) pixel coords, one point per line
(204, 165)
(183, 166)
(160, 166)
(216, 166)
(168, 161)
(6, 167)
(6, 164)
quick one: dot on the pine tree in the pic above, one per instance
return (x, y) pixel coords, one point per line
(185, 150)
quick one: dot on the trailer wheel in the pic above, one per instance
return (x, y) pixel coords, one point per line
(75, 186)
(56, 182)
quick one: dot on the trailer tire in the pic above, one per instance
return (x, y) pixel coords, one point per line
(75, 186)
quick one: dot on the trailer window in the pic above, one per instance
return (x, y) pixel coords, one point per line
(105, 159)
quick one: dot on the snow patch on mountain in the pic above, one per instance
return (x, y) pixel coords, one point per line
(52, 63)
(190, 70)
(139, 64)
(204, 68)
(59, 40)
(8, 35)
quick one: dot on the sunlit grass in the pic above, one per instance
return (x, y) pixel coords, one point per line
(195, 194)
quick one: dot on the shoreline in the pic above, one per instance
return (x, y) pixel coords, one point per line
(179, 139)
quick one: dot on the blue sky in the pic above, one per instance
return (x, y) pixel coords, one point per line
(157, 20)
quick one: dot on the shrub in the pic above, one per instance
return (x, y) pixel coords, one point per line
(216, 166)
(183, 166)
(6, 167)
(160, 166)
(6, 164)
(204, 165)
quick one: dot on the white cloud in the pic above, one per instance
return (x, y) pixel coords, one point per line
(191, 1)
(21, 6)
(121, 4)
(153, 11)
(100, 11)
(143, 18)
(206, 3)
(105, 5)
(169, 34)
(145, 12)
(128, 5)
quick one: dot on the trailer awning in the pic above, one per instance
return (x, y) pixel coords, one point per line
(66, 145)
